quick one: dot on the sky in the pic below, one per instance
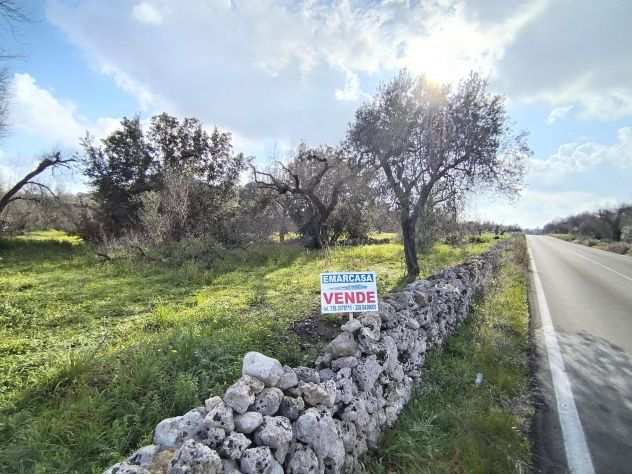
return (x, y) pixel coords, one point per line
(278, 72)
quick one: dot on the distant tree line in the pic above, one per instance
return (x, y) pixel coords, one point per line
(613, 224)
(410, 158)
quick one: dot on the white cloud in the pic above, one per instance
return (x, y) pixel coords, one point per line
(580, 157)
(55, 122)
(558, 113)
(147, 13)
(274, 68)
(41, 122)
(39, 112)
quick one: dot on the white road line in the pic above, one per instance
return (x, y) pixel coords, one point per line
(601, 265)
(577, 454)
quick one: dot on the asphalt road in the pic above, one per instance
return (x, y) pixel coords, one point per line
(588, 295)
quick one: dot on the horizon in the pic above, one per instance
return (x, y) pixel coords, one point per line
(276, 73)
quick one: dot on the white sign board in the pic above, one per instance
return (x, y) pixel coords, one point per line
(348, 292)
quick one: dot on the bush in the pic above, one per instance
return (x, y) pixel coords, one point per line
(619, 247)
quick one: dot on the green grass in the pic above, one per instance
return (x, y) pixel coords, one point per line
(454, 426)
(94, 353)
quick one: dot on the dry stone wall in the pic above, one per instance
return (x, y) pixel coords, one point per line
(306, 420)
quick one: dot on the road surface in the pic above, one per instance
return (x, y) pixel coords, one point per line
(582, 319)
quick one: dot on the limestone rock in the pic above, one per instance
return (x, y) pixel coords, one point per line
(162, 461)
(302, 460)
(234, 445)
(144, 456)
(366, 373)
(319, 393)
(167, 433)
(221, 417)
(257, 461)
(230, 467)
(268, 401)
(126, 468)
(348, 433)
(195, 458)
(213, 437)
(289, 378)
(241, 394)
(345, 387)
(248, 422)
(317, 429)
(326, 374)
(344, 362)
(306, 374)
(276, 432)
(291, 407)
(212, 402)
(351, 326)
(343, 345)
(262, 367)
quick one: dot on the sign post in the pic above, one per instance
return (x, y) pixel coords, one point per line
(348, 292)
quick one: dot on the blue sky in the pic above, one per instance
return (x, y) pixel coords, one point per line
(275, 72)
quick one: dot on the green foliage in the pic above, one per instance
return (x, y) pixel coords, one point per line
(93, 354)
(453, 425)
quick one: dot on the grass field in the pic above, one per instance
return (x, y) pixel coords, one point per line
(453, 425)
(94, 353)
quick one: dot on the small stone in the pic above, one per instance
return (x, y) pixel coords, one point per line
(212, 402)
(351, 326)
(195, 458)
(319, 394)
(291, 407)
(344, 362)
(240, 395)
(262, 367)
(289, 378)
(214, 437)
(306, 374)
(326, 374)
(162, 461)
(343, 345)
(302, 460)
(345, 387)
(125, 468)
(276, 432)
(317, 429)
(367, 373)
(230, 467)
(167, 432)
(221, 417)
(256, 460)
(268, 401)
(144, 456)
(234, 445)
(248, 422)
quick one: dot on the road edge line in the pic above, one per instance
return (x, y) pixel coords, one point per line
(578, 457)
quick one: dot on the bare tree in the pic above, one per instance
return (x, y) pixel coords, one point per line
(316, 178)
(432, 144)
(52, 161)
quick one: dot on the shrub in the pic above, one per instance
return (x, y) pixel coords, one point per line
(619, 247)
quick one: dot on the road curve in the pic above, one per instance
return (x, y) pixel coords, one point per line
(588, 294)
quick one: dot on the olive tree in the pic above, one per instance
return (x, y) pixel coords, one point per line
(313, 182)
(432, 143)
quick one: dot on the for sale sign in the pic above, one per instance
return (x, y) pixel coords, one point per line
(348, 292)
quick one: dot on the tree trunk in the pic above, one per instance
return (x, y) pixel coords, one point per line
(410, 251)
(312, 234)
